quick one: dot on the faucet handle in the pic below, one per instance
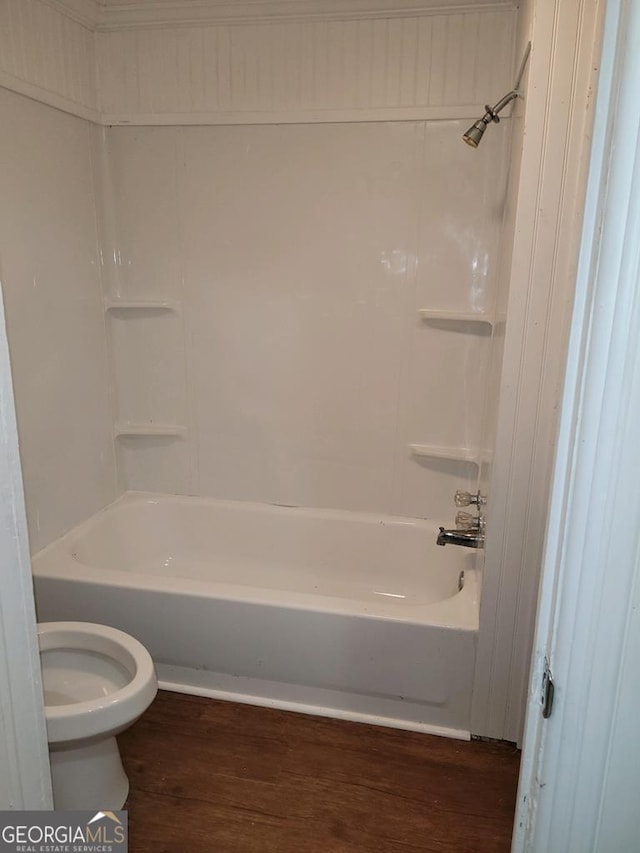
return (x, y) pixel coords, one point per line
(466, 521)
(467, 499)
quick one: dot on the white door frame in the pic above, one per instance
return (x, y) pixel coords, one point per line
(580, 774)
(25, 780)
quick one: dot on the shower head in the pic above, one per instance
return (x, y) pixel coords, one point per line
(474, 135)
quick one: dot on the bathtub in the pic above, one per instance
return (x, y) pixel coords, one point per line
(348, 615)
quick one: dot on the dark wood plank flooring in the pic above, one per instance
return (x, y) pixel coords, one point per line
(217, 777)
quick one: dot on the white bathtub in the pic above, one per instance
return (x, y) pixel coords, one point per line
(336, 613)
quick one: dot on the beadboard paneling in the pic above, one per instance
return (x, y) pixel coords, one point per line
(48, 55)
(407, 67)
(429, 66)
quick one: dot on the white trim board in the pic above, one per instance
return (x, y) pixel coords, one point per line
(293, 117)
(50, 99)
(558, 120)
(192, 119)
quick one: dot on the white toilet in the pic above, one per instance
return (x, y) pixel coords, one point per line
(97, 682)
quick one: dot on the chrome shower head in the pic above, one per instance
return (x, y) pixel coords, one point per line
(473, 136)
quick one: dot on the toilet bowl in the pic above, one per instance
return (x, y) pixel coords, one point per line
(97, 682)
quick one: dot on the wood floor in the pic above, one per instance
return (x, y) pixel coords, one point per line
(216, 777)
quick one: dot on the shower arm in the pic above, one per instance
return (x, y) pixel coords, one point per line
(492, 112)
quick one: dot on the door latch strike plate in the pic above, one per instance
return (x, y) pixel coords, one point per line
(546, 698)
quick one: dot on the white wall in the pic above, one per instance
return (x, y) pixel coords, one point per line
(55, 316)
(299, 256)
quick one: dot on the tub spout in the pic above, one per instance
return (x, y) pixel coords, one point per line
(468, 538)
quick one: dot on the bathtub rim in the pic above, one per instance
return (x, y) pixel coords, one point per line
(56, 560)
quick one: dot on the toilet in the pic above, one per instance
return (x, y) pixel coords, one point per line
(97, 682)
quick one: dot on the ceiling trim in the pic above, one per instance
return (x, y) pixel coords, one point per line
(120, 14)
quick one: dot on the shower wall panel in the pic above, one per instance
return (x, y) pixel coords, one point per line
(50, 270)
(271, 278)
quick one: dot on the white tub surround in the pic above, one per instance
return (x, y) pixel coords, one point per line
(286, 303)
(51, 282)
(337, 613)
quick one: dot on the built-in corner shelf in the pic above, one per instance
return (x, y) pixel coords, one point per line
(455, 454)
(142, 305)
(149, 430)
(453, 317)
